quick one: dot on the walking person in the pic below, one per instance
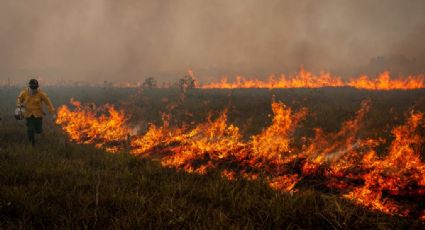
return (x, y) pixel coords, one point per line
(31, 100)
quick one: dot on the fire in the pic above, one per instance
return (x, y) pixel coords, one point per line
(344, 161)
(400, 173)
(83, 125)
(209, 142)
(276, 138)
(384, 82)
(306, 79)
(340, 148)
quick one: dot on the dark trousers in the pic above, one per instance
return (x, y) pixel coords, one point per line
(34, 125)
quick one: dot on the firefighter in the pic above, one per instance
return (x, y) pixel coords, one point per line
(31, 99)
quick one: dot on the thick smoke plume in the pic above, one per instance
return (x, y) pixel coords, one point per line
(129, 40)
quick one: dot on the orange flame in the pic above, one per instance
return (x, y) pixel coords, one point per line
(306, 79)
(276, 138)
(344, 161)
(401, 172)
(83, 125)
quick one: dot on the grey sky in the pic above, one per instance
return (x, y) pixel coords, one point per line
(128, 40)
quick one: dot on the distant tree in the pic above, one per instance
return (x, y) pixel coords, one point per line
(186, 83)
(149, 83)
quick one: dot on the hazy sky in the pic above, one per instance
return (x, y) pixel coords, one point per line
(128, 40)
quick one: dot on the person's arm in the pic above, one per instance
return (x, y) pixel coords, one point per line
(48, 102)
(20, 100)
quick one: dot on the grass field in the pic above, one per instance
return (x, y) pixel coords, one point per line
(61, 184)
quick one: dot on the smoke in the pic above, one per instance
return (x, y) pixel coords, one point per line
(129, 40)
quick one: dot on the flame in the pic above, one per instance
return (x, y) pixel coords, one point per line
(84, 126)
(209, 143)
(334, 146)
(344, 161)
(400, 173)
(306, 79)
(276, 138)
(384, 82)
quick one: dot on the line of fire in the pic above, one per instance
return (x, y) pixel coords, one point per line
(341, 162)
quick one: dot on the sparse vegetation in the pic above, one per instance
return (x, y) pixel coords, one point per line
(150, 83)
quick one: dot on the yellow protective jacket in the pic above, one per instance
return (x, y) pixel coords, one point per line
(33, 103)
